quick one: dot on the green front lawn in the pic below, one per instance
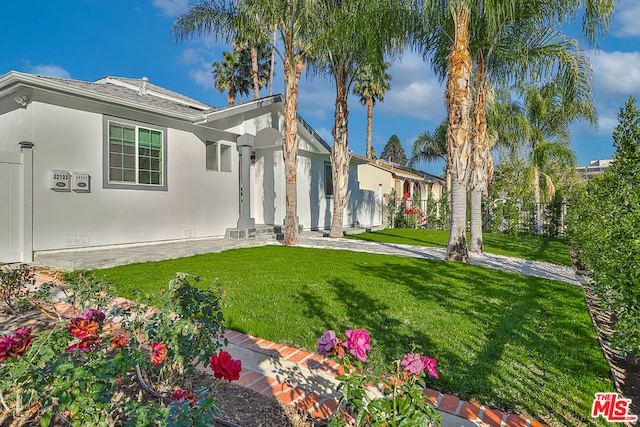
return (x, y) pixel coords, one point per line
(519, 343)
(537, 248)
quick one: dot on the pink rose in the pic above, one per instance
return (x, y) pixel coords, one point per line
(413, 363)
(357, 343)
(430, 366)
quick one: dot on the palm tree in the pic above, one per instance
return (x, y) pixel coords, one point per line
(255, 59)
(225, 74)
(371, 87)
(491, 17)
(549, 112)
(430, 147)
(350, 43)
(296, 22)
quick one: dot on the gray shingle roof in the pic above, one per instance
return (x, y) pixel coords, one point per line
(178, 103)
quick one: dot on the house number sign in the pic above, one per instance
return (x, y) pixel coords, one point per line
(60, 180)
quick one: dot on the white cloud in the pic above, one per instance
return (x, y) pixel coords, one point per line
(202, 77)
(616, 73)
(49, 70)
(171, 7)
(415, 90)
(626, 19)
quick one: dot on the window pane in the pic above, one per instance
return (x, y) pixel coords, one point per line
(225, 158)
(114, 147)
(211, 156)
(155, 178)
(115, 132)
(129, 135)
(328, 180)
(155, 165)
(115, 174)
(143, 177)
(144, 163)
(115, 160)
(129, 162)
(129, 175)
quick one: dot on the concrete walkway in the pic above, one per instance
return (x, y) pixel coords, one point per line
(293, 375)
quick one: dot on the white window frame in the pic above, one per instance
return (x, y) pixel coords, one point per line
(106, 181)
(224, 156)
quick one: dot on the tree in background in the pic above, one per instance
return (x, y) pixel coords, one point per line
(549, 113)
(296, 22)
(225, 75)
(394, 151)
(351, 43)
(371, 87)
(430, 147)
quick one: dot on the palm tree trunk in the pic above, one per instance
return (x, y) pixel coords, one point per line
(292, 72)
(340, 155)
(458, 98)
(231, 96)
(273, 60)
(479, 154)
(254, 73)
(369, 125)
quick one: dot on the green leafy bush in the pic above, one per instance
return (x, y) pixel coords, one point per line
(604, 229)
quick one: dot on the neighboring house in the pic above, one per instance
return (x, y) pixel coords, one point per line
(391, 178)
(123, 161)
(596, 167)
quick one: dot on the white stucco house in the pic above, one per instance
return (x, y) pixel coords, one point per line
(123, 161)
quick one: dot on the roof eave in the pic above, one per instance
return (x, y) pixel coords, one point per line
(17, 79)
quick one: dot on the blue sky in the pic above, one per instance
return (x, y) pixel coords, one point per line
(89, 39)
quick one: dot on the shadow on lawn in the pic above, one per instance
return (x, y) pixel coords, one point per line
(514, 354)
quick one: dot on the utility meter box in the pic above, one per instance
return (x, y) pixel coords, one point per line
(80, 182)
(60, 180)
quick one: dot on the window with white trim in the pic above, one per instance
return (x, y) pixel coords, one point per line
(219, 157)
(135, 155)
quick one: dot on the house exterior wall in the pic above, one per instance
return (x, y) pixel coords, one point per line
(197, 203)
(371, 177)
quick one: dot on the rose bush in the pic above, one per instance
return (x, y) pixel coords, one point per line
(76, 371)
(368, 399)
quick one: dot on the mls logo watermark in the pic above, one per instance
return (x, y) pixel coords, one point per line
(613, 408)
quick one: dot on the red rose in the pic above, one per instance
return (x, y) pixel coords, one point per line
(158, 352)
(224, 367)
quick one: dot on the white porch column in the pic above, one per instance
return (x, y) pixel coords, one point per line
(26, 148)
(244, 145)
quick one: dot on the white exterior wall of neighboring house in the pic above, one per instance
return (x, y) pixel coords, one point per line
(72, 140)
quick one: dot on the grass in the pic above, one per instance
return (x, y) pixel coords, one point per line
(537, 248)
(519, 343)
